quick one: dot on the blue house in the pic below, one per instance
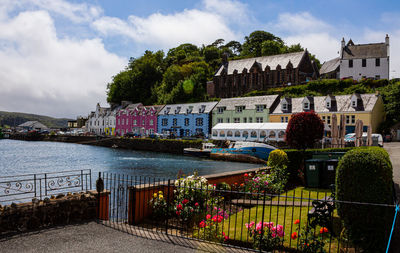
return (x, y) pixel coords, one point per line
(186, 119)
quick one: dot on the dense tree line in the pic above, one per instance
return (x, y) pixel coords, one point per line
(181, 75)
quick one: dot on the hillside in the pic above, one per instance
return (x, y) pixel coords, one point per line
(17, 118)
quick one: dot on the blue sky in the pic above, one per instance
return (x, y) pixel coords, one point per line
(57, 56)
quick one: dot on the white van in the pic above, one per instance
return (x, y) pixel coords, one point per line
(377, 139)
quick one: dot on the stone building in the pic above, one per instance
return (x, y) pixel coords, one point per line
(237, 77)
(330, 69)
(364, 60)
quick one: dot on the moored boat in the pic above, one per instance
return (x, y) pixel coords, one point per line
(203, 152)
(244, 150)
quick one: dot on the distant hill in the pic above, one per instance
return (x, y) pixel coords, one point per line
(16, 118)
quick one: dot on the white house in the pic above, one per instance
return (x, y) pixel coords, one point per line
(249, 131)
(96, 120)
(364, 60)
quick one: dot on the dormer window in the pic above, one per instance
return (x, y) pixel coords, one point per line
(354, 100)
(167, 110)
(178, 109)
(221, 109)
(260, 108)
(328, 104)
(284, 106)
(354, 103)
(239, 109)
(202, 109)
(306, 106)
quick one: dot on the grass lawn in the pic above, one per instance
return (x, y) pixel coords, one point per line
(305, 193)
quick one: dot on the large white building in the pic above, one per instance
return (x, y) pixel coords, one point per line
(364, 60)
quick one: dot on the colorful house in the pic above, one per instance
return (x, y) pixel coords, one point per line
(367, 107)
(186, 119)
(244, 109)
(144, 119)
(95, 123)
(124, 118)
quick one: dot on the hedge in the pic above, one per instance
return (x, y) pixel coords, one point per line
(297, 158)
(365, 175)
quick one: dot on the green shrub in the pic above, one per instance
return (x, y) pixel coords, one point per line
(277, 158)
(365, 175)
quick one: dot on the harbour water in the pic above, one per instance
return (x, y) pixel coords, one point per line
(23, 157)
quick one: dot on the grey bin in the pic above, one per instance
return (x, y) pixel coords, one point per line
(313, 169)
(328, 173)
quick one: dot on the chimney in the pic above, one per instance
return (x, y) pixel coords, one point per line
(387, 44)
(343, 43)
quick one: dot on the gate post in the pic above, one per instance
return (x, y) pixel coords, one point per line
(132, 205)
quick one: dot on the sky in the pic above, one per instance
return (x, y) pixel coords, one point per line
(57, 56)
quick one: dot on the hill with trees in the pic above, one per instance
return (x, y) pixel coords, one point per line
(12, 119)
(181, 75)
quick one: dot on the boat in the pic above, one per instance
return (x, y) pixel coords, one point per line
(205, 151)
(244, 151)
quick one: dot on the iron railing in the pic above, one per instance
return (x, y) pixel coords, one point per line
(131, 210)
(20, 188)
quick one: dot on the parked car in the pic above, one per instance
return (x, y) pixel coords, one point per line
(387, 138)
(377, 139)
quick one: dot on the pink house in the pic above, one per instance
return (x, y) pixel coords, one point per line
(144, 119)
(138, 119)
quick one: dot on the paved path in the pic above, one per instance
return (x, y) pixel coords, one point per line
(393, 148)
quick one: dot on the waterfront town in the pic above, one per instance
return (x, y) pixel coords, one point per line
(215, 126)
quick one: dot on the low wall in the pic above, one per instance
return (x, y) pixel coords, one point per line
(140, 195)
(60, 210)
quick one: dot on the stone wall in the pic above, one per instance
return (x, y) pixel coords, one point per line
(57, 210)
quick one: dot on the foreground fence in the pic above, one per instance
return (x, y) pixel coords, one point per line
(22, 188)
(296, 221)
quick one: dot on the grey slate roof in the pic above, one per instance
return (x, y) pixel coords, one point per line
(373, 50)
(272, 61)
(329, 66)
(249, 102)
(33, 124)
(192, 108)
(341, 103)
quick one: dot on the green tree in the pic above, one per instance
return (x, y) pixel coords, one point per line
(252, 46)
(271, 47)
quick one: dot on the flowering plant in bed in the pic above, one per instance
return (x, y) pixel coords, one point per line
(192, 195)
(265, 235)
(159, 206)
(210, 228)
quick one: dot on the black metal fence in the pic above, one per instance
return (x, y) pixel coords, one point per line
(299, 220)
(26, 187)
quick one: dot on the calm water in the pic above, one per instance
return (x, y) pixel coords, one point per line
(22, 157)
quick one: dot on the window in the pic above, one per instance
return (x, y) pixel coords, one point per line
(228, 120)
(353, 119)
(328, 119)
(281, 134)
(187, 122)
(244, 120)
(253, 134)
(164, 122)
(306, 106)
(229, 134)
(237, 134)
(272, 134)
(354, 103)
(282, 119)
(263, 134)
(123, 121)
(215, 133)
(377, 77)
(350, 63)
(119, 121)
(239, 109)
(222, 133)
(151, 122)
(259, 108)
(236, 120)
(328, 104)
(199, 121)
(135, 122)
(323, 118)
(347, 119)
(286, 119)
(220, 109)
(250, 120)
(259, 119)
(364, 62)
(143, 123)
(245, 134)
(284, 106)
(377, 62)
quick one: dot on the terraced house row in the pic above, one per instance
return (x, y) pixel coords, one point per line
(197, 119)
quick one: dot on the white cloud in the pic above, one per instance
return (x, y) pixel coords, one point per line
(41, 73)
(189, 26)
(300, 23)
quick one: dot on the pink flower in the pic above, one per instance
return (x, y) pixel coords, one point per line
(226, 238)
(196, 204)
(185, 201)
(179, 207)
(202, 224)
(217, 218)
(248, 226)
(208, 216)
(268, 224)
(266, 183)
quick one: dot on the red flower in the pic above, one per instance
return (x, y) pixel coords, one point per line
(297, 221)
(179, 207)
(185, 201)
(202, 224)
(236, 183)
(241, 184)
(196, 204)
(246, 175)
(323, 230)
(294, 235)
(178, 213)
(208, 216)
(217, 218)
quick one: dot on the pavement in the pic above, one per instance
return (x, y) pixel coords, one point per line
(393, 148)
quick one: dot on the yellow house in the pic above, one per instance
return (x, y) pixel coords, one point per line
(367, 107)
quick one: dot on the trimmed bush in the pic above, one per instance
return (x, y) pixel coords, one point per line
(278, 158)
(365, 175)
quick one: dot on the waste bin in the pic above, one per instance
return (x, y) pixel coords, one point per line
(328, 173)
(313, 168)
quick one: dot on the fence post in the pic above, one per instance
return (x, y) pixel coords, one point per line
(168, 192)
(82, 179)
(99, 189)
(132, 198)
(45, 184)
(34, 183)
